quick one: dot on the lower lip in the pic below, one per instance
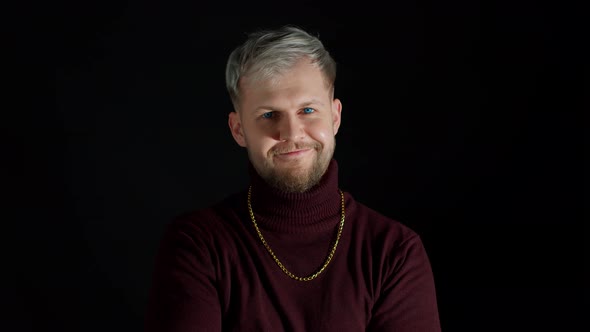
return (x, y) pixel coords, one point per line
(293, 154)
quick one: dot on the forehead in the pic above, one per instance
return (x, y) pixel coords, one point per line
(302, 82)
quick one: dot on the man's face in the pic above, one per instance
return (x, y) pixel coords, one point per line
(288, 125)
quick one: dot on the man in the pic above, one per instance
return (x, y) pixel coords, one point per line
(291, 252)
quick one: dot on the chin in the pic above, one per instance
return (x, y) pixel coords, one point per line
(297, 180)
(292, 177)
(293, 184)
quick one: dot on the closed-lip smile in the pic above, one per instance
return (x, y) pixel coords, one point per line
(293, 153)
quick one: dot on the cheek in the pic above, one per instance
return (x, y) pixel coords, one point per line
(259, 144)
(321, 131)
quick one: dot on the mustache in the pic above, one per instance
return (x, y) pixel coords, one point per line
(293, 147)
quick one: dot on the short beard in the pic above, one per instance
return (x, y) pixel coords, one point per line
(297, 182)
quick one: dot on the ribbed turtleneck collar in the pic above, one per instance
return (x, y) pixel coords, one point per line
(314, 210)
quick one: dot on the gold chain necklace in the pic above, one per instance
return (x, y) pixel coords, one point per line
(330, 254)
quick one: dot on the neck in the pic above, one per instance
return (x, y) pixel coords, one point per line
(315, 209)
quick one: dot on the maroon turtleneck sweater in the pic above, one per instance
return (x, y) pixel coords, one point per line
(212, 272)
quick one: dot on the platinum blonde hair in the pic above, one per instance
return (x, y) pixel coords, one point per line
(268, 53)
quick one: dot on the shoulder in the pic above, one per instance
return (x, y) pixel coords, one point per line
(208, 221)
(380, 228)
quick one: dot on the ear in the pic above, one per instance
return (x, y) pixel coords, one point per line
(336, 113)
(235, 126)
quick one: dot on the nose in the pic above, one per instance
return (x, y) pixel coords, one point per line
(291, 128)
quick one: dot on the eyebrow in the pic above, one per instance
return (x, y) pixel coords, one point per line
(304, 104)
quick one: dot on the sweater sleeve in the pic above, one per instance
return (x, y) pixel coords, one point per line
(407, 301)
(183, 296)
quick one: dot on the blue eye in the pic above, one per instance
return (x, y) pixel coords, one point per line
(267, 115)
(308, 110)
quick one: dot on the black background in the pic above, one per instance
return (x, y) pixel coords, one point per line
(453, 122)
